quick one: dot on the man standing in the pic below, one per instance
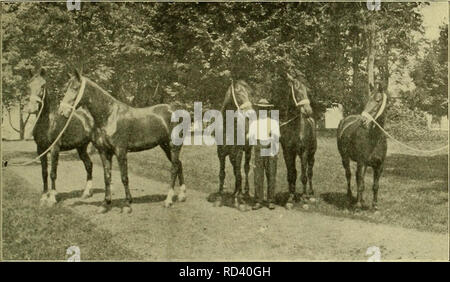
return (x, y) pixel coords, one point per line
(264, 133)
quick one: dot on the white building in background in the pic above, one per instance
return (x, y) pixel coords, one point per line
(333, 116)
(437, 122)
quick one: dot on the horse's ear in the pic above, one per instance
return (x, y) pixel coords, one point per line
(289, 77)
(42, 72)
(371, 89)
(77, 74)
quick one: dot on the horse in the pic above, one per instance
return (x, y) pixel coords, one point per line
(237, 98)
(298, 134)
(360, 140)
(119, 129)
(48, 125)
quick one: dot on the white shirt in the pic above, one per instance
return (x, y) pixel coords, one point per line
(265, 129)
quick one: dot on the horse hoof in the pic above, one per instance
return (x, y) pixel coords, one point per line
(86, 194)
(43, 202)
(289, 206)
(312, 200)
(243, 208)
(126, 209)
(217, 204)
(168, 204)
(102, 209)
(305, 207)
(182, 197)
(51, 202)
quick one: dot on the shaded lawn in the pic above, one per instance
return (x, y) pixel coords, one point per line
(413, 189)
(34, 233)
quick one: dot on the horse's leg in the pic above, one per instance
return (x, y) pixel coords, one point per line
(304, 178)
(121, 154)
(82, 153)
(289, 160)
(167, 150)
(376, 178)
(248, 156)
(311, 160)
(348, 175)
(236, 161)
(44, 170)
(107, 162)
(54, 154)
(222, 158)
(360, 173)
(182, 194)
(174, 154)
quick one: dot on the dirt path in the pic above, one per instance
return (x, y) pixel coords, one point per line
(195, 230)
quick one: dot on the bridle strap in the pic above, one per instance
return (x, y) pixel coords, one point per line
(302, 102)
(37, 98)
(79, 96)
(383, 106)
(380, 111)
(234, 97)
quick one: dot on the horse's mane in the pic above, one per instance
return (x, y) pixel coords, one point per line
(103, 91)
(240, 88)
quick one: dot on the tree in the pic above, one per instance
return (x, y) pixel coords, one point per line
(430, 78)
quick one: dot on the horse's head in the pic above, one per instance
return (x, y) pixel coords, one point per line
(374, 108)
(74, 92)
(238, 95)
(298, 95)
(37, 90)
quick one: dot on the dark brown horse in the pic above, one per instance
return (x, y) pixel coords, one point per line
(48, 125)
(298, 133)
(119, 129)
(360, 140)
(237, 98)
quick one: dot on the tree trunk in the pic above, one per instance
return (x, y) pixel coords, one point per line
(21, 125)
(371, 36)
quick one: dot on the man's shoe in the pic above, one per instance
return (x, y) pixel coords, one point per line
(257, 206)
(271, 206)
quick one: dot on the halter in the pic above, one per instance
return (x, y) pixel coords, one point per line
(78, 98)
(380, 111)
(40, 100)
(302, 102)
(245, 105)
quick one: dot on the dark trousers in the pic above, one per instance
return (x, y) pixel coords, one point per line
(264, 165)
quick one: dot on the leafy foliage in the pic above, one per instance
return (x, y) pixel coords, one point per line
(146, 53)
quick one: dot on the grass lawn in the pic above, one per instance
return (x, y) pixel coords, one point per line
(34, 233)
(413, 189)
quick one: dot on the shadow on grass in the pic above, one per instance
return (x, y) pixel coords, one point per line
(337, 199)
(227, 199)
(121, 202)
(62, 196)
(64, 156)
(417, 167)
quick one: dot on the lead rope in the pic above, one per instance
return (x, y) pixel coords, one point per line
(40, 110)
(401, 143)
(77, 100)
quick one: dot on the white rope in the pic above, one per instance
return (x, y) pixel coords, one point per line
(401, 143)
(234, 97)
(302, 102)
(77, 100)
(40, 110)
(286, 122)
